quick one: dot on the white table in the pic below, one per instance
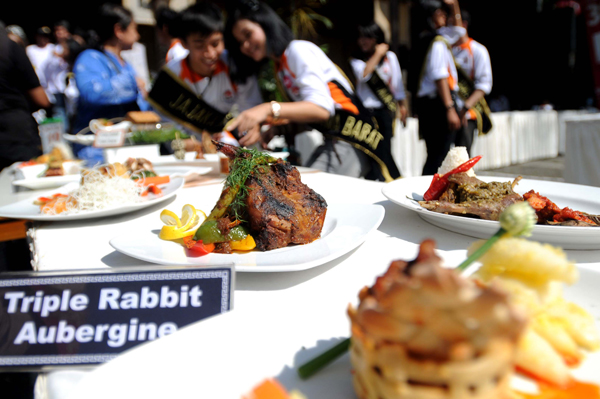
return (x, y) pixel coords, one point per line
(279, 320)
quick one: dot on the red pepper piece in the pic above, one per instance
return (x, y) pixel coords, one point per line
(568, 213)
(440, 183)
(196, 248)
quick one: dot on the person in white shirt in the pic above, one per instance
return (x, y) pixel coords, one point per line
(166, 22)
(379, 81)
(474, 60)
(437, 87)
(202, 75)
(319, 93)
(41, 51)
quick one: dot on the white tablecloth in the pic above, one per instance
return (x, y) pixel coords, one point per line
(279, 320)
(582, 159)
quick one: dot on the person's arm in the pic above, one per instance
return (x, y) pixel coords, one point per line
(39, 98)
(443, 88)
(90, 70)
(249, 121)
(455, 9)
(380, 50)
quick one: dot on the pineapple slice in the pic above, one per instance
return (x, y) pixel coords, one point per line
(577, 322)
(532, 263)
(554, 330)
(536, 356)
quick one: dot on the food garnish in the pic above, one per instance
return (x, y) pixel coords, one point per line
(439, 184)
(516, 220)
(176, 228)
(192, 219)
(549, 213)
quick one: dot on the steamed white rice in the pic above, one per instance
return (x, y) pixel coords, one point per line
(456, 156)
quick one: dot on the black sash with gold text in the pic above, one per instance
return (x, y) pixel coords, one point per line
(361, 131)
(172, 97)
(466, 87)
(383, 93)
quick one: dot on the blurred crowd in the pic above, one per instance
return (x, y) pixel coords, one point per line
(77, 77)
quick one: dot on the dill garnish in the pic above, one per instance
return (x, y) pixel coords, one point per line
(240, 169)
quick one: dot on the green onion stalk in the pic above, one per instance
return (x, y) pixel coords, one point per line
(517, 220)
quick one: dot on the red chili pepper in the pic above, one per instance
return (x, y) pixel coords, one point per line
(440, 183)
(196, 248)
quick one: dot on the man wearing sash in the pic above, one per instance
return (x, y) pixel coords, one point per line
(196, 90)
(475, 81)
(436, 79)
(379, 82)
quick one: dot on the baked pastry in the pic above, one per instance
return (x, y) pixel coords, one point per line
(142, 117)
(425, 332)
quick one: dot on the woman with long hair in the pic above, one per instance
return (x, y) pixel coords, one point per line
(108, 85)
(319, 93)
(378, 81)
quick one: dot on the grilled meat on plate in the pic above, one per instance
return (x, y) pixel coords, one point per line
(470, 196)
(267, 196)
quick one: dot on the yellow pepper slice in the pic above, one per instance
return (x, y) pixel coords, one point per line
(246, 244)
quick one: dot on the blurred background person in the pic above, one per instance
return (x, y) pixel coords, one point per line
(379, 82)
(17, 34)
(474, 62)
(20, 95)
(435, 80)
(204, 72)
(57, 77)
(62, 33)
(40, 51)
(166, 24)
(108, 85)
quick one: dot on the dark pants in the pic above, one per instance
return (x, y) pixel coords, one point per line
(386, 127)
(464, 137)
(433, 128)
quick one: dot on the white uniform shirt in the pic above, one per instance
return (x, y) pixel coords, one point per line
(38, 57)
(306, 73)
(474, 59)
(55, 72)
(218, 90)
(390, 73)
(439, 65)
(176, 51)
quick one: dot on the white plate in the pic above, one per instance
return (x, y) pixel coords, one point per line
(575, 196)
(27, 176)
(345, 228)
(27, 210)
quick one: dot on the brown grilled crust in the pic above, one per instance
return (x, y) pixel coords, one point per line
(281, 209)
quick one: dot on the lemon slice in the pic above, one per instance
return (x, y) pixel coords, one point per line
(188, 213)
(199, 218)
(169, 218)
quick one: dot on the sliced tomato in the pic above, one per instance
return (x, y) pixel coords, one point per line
(195, 249)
